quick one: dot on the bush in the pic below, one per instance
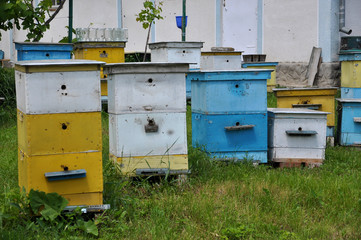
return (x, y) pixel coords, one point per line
(7, 91)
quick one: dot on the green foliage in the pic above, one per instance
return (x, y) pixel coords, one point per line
(49, 205)
(17, 13)
(240, 232)
(7, 91)
(7, 86)
(150, 12)
(66, 39)
(43, 212)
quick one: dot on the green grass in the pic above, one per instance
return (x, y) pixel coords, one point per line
(219, 201)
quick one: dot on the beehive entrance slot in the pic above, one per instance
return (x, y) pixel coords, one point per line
(63, 87)
(64, 126)
(151, 126)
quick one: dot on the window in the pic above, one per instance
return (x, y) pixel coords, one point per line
(56, 4)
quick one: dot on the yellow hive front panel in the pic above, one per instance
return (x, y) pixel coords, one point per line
(128, 165)
(43, 134)
(351, 74)
(325, 97)
(32, 169)
(108, 55)
(95, 198)
(271, 83)
(104, 87)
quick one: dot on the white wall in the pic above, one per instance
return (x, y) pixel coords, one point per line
(201, 23)
(290, 29)
(353, 17)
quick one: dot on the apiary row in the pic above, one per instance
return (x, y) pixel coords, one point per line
(349, 105)
(59, 120)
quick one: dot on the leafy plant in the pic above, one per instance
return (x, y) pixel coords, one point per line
(147, 17)
(15, 13)
(240, 232)
(44, 211)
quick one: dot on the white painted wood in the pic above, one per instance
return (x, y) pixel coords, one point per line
(173, 52)
(295, 153)
(239, 22)
(141, 89)
(127, 135)
(221, 62)
(286, 146)
(58, 92)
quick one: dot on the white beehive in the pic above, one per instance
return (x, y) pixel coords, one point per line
(173, 52)
(147, 134)
(146, 87)
(296, 135)
(47, 87)
(147, 117)
(223, 60)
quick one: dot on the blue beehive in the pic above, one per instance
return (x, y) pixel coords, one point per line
(349, 122)
(229, 113)
(43, 51)
(350, 92)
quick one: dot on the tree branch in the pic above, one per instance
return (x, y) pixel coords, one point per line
(55, 13)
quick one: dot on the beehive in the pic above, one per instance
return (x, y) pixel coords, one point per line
(322, 99)
(59, 128)
(147, 121)
(43, 51)
(271, 82)
(221, 60)
(109, 52)
(296, 135)
(349, 122)
(229, 113)
(178, 52)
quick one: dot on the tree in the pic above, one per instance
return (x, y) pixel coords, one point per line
(17, 13)
(147, 17)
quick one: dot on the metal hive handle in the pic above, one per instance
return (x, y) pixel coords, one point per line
(239, 127)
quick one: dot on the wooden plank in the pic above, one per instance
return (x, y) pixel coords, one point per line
(313, 65)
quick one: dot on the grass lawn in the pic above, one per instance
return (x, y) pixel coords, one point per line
(219, 201)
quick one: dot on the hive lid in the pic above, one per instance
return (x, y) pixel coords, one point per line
(304, 88)
(58, 62)
(43, 45)
(259, 64)
(295, 111)
(349, 100)
(175, 45)
(61, 65)
(145, 67)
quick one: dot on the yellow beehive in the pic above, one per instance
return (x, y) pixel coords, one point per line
(351, 74)
(271, 83)
(42, 134)
(87, 188)
(109, 52)
(59, 130)
(143, 165)
(322, 99)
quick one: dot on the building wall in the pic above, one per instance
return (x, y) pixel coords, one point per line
(290, 29)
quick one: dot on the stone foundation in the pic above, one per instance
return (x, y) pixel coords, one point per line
(294, 75)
